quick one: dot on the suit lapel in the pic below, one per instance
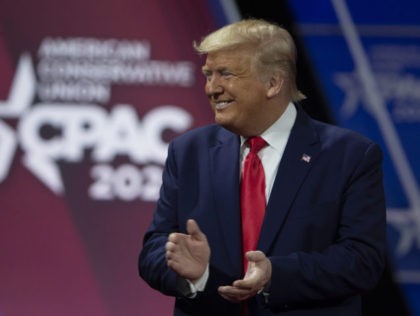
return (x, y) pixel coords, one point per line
(300, 153)
(224, 172)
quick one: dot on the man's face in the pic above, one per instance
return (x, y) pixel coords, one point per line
(236, 92)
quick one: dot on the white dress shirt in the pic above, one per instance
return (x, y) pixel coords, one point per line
(276, 137)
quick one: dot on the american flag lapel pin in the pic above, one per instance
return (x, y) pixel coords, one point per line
(306, 158)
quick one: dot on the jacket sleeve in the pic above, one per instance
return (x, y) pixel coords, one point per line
(152, 263)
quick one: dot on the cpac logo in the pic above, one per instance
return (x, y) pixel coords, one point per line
(74, 128)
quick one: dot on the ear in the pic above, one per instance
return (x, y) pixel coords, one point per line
(274, 85)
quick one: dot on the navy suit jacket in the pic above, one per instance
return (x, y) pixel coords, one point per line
(324, 226)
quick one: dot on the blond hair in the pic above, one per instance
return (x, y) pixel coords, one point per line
(274, 48)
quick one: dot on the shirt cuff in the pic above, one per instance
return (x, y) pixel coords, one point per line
(266, 292)
(200, 284)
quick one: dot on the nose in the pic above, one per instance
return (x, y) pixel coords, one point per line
(213, 86)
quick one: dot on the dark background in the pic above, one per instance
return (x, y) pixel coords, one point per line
(387, 298)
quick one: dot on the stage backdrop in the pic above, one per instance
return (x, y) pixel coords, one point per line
(367, 57)
(91, 92)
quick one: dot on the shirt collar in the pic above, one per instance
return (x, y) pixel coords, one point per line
(280, 129)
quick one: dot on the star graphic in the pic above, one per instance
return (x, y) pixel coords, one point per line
(349, 83)
(407, 224)
(19, 100)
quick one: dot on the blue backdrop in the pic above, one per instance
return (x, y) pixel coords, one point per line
(366, 57)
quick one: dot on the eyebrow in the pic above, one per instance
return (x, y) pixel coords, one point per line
(204, 69)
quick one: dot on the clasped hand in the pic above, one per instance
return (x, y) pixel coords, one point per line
(189, 254)
(256, 278)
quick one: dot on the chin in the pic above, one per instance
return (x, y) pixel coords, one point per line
(226, 121)
(221, 119)
(221, 122)
(229, 126)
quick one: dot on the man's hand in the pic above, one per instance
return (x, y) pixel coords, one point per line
(256, 278)
(188, 254)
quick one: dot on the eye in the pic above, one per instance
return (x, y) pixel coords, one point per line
(226, 74)
(207, 75)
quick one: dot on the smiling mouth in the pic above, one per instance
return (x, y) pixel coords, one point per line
(222, 105)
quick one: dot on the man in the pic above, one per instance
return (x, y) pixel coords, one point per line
(321, 240)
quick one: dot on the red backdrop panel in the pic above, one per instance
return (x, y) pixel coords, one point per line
(90, 94)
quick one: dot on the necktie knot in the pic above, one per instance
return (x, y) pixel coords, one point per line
(256, 143)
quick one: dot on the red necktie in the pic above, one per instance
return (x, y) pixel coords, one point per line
(252, 197)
